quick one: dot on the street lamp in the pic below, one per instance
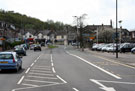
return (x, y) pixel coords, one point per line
(80, 25)
(120, 30)
(116, 28)
(77, 32)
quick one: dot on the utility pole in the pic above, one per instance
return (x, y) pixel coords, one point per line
(80, 25)
(77, 30)
(97, 34)
(120, 30)
(116, 29)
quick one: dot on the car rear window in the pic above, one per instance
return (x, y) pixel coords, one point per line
(6, 56)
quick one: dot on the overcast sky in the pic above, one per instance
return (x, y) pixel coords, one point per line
(98, 11)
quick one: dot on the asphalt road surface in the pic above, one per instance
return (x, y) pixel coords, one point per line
(68, 69)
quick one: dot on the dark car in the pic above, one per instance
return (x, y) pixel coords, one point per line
(42, 44)
(133, 50)
(126, 47)
(37, 47)
(20, 51)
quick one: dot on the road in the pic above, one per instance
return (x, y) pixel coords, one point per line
(68, 69)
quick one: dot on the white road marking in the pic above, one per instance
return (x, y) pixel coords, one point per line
(41, 81)
(27, 70)
(41, 74)
(21, 80)
(75, 89)
(43, 77)
(102, 86)
(35, 87)
(52, 64)
(117, 77)
(39, 56)
(41, 71)
(53, 70)
(115, 62)
(51, 59)
(32, 64)
(42, 66)
(35, 61)
(61, 79)
(129, 83)
(30, 85)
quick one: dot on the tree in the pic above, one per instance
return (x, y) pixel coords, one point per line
(105, 35)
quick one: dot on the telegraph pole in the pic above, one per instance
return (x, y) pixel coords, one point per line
(116, 28)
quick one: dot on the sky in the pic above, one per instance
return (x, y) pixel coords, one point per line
(98, 11)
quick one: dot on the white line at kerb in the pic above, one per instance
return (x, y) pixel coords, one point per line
(20, 80)
(117, 77)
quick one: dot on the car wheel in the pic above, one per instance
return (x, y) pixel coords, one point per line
(25, 54)
(17, 69)
(20, 67)
(133, 52)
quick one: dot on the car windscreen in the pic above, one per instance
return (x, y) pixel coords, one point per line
(6, 56)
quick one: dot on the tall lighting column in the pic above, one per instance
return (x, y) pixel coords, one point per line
(116, 28)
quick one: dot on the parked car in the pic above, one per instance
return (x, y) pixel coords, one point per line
(20, 51)
(126, 47)
(37, 47)
(133, 50)
(32, 46)
(10, 60)
(26, 47)
(75, 44)
(94, 47)
(100, 46)
(42, 43)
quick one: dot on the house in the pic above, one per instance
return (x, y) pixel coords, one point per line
(132, 34)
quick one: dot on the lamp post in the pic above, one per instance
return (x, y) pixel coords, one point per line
(116, 28)
(77, 32)
(80, 25)
(120, 30)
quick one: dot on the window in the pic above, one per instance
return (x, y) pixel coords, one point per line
(6, 56)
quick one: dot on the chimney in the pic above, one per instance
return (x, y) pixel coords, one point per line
(111, 22)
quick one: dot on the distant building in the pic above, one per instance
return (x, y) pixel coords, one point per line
(132, 34)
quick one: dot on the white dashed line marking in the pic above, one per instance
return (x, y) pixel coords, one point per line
(52, 64)
(32, 64)
(27, 70)
(20, 80)
(35, 61)
(61, 79)
(53, 70)
(75, 89)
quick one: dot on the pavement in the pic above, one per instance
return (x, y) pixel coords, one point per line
(124, 58)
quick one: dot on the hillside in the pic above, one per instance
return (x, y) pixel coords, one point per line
(24, 22)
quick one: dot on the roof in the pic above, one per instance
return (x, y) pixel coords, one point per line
(8, 53)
